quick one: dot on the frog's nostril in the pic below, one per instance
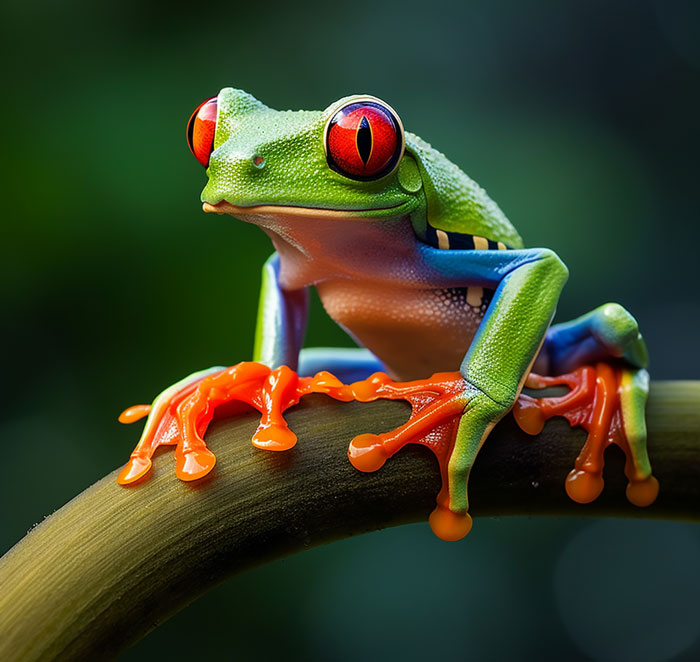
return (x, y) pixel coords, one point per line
(258, 161)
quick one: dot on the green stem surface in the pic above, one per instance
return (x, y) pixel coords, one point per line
(112, 564)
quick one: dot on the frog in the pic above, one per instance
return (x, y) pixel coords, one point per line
(418, 265)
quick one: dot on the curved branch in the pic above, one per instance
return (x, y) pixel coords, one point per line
(99, 573)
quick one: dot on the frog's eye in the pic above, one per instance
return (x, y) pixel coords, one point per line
(200, 131)
(364, 140)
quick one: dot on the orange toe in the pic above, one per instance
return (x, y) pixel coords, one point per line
(195, 464)
(135, 468)
(448, 525)
(274, 437)
(366, 452)
(528, 415)
(643, 493)
(135, 413)
(583, 487)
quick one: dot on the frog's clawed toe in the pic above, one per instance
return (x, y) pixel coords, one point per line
(608, 402)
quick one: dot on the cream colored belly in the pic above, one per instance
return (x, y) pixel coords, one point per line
(415, 333)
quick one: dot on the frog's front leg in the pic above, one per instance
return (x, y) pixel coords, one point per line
(181, 412)
(282, 316)
(528, 284)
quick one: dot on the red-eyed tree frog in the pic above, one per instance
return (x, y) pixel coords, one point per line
(414, 261)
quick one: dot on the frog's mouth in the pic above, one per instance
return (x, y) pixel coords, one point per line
(224, 207)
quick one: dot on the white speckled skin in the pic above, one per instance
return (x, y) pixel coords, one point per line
(402, 324)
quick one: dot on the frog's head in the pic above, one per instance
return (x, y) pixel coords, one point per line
(352, 160)
(348, 158)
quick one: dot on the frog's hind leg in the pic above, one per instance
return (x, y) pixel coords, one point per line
(347, 364)
(606, 332)
(611, 408)
(634, 390)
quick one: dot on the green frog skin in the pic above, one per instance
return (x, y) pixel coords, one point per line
(409, 256)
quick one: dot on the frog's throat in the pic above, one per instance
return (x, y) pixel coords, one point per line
(224, 207)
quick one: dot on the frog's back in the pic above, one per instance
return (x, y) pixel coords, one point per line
(456, 204)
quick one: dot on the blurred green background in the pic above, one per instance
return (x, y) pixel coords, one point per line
(579, 118)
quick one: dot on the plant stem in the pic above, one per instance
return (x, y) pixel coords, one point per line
(105, 569)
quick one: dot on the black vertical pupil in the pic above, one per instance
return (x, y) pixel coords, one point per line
(364, 140)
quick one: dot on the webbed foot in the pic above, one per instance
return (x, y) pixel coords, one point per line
(608, 402)
(182, 413)
(448, 415)
(437, 406)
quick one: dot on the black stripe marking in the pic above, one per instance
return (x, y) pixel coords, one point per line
(457, 240)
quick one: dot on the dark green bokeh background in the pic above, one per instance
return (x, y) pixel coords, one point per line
(580, 119)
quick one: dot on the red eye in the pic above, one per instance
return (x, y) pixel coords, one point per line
(364, 140)
(200, 131)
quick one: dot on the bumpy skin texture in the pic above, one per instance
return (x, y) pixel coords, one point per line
(457, 203)
(295, 167)
(292, 145)
(419, 266)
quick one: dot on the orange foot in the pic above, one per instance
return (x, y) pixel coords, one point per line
(597, 401)
(182, 414)
(437, 405)
(606, 402)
